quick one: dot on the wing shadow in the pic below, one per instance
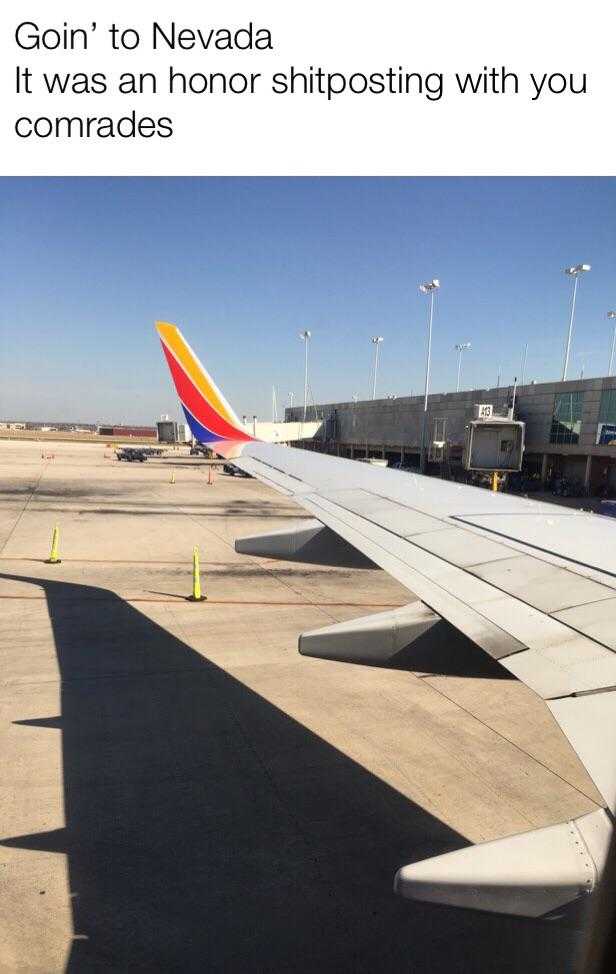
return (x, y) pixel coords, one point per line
(208, 831)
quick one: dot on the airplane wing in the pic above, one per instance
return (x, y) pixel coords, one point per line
(532, 584)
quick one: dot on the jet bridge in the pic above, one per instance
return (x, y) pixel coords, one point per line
(493, 443)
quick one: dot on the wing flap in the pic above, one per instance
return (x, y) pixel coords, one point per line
(577, 536)
(596, 620)
(590, 724)
(388, 514)
(540, 583)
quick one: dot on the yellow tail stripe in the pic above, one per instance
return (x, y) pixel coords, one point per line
(174, 340)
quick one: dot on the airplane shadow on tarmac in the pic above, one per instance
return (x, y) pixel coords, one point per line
(208, 831)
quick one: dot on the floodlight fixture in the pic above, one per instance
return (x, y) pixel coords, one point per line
(577, 269)
(430, 286)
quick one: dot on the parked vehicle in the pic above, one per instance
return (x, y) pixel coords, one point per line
(373, 461)
(234, 471)
(519, 482)
(131, 454)
(563, 487)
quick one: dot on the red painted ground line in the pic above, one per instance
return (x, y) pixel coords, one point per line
(182, 598)
(121, 561)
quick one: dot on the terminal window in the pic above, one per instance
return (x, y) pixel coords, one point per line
(607, 409)
(567, 417)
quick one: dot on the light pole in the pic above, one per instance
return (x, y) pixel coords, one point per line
(274, 405)
(376, 341)
(462, 347)
(573, 272)
(610, 371)
(305, 336)
(291, 398)
(523, 369)
(430, 287)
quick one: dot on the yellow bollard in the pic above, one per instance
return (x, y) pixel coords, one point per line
(494, 480)
(172, 481)
(55, 543)
(196, 592)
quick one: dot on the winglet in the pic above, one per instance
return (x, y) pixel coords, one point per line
(211, 419)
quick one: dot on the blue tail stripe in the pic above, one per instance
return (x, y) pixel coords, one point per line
(201, 433)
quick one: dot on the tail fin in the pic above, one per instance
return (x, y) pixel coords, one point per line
(211, 419)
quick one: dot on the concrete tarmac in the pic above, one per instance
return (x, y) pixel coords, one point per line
(181, 791)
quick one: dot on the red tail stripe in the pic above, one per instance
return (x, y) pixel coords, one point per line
(198, 405)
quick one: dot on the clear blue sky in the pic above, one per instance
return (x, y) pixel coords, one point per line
(241, 265)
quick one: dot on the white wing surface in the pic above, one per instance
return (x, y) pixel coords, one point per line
(532, 584)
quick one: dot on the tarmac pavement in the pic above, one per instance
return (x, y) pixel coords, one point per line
(182, 791)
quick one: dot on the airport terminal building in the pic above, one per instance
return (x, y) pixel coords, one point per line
(570, 428)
